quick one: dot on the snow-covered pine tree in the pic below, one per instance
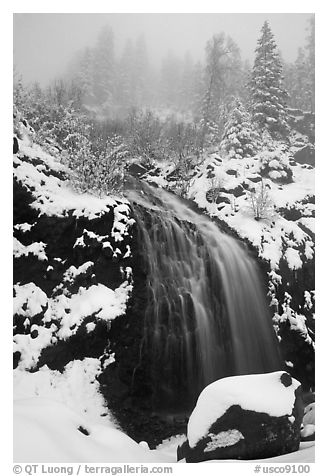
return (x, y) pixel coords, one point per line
(104, 68)
(85, 76)
(239, 138)
(268, 96)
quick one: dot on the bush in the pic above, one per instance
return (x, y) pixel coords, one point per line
(275, 165)
(261, 203)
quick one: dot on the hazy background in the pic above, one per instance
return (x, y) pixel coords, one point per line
(44, 43)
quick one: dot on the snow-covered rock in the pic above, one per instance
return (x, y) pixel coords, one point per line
(245, 417)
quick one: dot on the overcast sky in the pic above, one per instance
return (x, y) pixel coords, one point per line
(44, 43)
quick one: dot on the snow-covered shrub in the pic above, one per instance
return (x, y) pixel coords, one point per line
(102, 173)
(274, 164)
(21, 127)
(143, 132)
(260, 201)
(216, 185)
(239, 139)
(183, 140)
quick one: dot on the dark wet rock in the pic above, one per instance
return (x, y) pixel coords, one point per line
(255, 179)
(232, 172)
(236, 191)
(15, 145)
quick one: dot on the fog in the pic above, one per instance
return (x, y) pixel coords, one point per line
(45, 43)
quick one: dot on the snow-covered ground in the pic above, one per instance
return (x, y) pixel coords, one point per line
(274, 236)
(62, 417)
(46, 430)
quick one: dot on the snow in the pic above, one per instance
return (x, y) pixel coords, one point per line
(29, 300)
(48, 431)
(293, 258)
(36, 249)
(308, 222)
(223, 439)
(30, 348)
(91, 235)
(122, 222)
(49, 408)
(53, 196)
(106, 304)
(261, 393)
(76, 387)
(273, 232)
(308, 430)
(73, 272)
(103, 302)
(90, 326)
(24, 227)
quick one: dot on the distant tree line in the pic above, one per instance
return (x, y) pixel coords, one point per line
(109, 109)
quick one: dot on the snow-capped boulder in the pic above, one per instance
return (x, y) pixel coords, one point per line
(245, 417)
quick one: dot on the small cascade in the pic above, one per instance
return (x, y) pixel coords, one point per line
(207, 316)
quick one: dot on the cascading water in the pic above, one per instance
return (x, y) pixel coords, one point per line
(207, 316)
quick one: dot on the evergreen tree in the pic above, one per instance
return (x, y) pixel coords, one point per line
(104, 68)
(126, 84)
(239, 138)
(85, 76)
(141, 71)
(222, 62)
(268, 96)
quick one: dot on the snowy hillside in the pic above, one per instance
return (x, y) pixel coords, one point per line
(63, 301)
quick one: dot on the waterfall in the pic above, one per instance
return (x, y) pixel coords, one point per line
(207, 316)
